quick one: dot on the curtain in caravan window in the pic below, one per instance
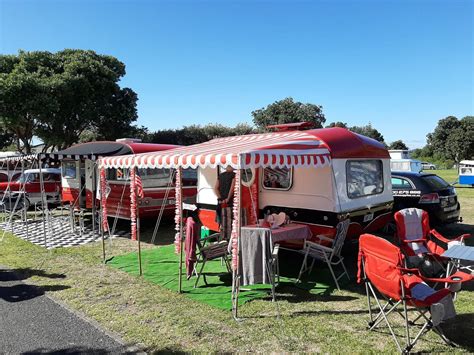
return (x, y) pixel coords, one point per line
(364, 177)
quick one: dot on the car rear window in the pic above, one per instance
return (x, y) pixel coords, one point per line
(435, 182)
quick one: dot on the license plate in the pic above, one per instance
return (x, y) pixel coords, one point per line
(368, 217)
(447, 209)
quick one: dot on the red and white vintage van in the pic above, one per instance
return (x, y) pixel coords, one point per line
(29, 182)
(80, 178)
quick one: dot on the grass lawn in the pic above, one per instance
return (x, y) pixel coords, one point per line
(142, 312)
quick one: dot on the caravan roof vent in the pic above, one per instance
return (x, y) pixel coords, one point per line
(298, 126)
(129, 140)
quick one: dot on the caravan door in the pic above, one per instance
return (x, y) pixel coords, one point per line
(70, 181)
(90, 188)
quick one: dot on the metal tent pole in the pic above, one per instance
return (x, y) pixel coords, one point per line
(94, 192)
(44, 204)
(179, 176)
(235, 274)
(9, 190)
(139, 245)
(101, 217)
(138, 222)
(25, 208)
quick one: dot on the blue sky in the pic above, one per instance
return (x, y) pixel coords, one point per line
(401, 65)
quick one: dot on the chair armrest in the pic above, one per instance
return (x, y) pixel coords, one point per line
(318, 246)
(209, 239)
(276, 249)
(421, 240)
(410, 270)
(463, 236)
(323, 237)
(438, 236)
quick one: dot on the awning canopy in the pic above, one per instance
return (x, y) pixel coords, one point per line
(91, 150)
(280, 149)
(18, 158)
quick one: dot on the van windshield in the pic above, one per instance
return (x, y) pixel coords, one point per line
(435, 182)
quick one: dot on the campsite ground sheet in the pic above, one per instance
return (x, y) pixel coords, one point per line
(161, 266)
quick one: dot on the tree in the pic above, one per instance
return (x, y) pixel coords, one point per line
(337, 124)
(195, 134)
(22, 97)
(460, 142)
(288, 111)
(57, 96)
(368, 131)
(453, 139)
(399, 144)
(6, 139)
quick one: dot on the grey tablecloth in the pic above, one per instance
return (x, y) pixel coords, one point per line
(255, 251)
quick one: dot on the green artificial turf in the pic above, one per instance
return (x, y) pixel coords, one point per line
(161, 266)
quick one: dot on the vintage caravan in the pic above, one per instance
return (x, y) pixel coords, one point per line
(316, 177)
(406, 165)
(356, 185)
(80, 178)
(466, 172)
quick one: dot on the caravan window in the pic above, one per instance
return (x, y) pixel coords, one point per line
(69, 170)
(277, 178)
(189, 177)
(155, 177)
(247, 176)
(118, 174)
(162, 177)
(364, 177)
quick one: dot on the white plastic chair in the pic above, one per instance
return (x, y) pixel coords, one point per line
(331, 255)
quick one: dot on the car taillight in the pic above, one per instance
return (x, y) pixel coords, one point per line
(429, 198)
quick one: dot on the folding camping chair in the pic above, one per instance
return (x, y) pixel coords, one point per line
(331, 254)
(417, 240)
(13, 204)
(207, 250)
(381, 266)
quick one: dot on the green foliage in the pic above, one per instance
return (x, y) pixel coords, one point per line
(288, 111)
(368, 131)
(6, 139)
(399, 144)
(57, 96)
(195, 134)
(452, 139)
(337, 124)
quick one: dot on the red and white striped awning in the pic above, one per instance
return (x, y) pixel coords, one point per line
(280, 149)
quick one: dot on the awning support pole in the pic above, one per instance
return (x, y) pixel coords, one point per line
(44, 204)
(94, 194)
(180, 281)
(139, 243)
(235, 273)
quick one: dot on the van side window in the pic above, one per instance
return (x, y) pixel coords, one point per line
(277, 178)
(118, 174)
(155, 177)
(364, 178)
(69, 170)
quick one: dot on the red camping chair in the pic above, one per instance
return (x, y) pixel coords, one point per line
(381, 267)
(417, 239)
